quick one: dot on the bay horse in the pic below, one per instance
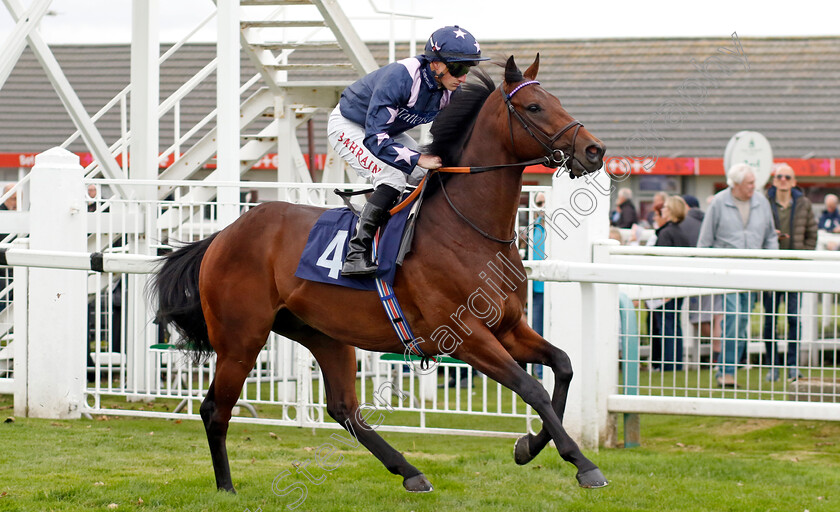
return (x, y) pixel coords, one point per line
(226, 293)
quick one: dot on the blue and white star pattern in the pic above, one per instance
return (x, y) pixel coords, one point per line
(390, 101)
(403, 153)
(393, 112)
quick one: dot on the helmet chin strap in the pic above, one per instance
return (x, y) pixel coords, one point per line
(440, 75)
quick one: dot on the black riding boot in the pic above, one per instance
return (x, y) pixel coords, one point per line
(359, 261)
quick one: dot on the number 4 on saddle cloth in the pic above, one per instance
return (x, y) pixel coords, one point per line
(323, 258)
(326, 247)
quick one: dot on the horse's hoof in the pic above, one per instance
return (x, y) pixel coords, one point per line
(522, 451)
(228, 489)
(592, 479)
(418, 483)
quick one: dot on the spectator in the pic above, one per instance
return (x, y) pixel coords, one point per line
(830, 218)
(624, 215)
(693, 219)
(538, 237)
(537, 243)
(11, 202)
(636, 236)
(92, 194)
(6, 272)
(704, 311)
(628, 330)
(737, 219)
(658, 201)
(665, 328)
(657, 220)
(796, 228)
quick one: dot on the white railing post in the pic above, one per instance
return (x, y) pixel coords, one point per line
(577, 216)
(600, 302)
(21, 320)
(143, 165)
(810, 325)
(227, 108)
(57, 337)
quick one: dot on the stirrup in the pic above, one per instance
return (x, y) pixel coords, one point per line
(346, 271)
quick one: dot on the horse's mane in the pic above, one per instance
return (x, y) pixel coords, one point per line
(453, 126)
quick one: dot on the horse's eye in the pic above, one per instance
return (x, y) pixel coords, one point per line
(533, 108)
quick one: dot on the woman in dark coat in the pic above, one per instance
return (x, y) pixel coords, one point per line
(666, 332)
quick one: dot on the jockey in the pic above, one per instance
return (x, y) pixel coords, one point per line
(367, 128)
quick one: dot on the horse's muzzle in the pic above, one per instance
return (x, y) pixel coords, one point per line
(592, 161)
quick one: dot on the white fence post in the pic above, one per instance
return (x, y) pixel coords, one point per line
(601, 329)
(21, 320)
(145, 97)
(809, 319)
(56, 345)
(577, 215)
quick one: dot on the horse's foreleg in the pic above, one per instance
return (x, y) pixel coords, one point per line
(338, 363)
(488, 356)
(216, 410)
(526, 346)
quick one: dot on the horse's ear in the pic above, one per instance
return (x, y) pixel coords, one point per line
(512, 73)
(531, 72)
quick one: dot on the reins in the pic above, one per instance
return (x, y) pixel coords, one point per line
(554, 157)
(454, 170)
(468, 221)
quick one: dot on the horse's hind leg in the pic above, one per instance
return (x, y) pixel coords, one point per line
(216, 410)
(338, 363)
(487, 355)
(526, 346)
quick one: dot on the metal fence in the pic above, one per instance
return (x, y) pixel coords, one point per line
(660, 368)
(760, 331)
(285, 387)
(674, 342)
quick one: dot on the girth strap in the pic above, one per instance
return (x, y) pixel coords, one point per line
(396, 315)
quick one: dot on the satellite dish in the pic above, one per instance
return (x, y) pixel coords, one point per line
(750, 148)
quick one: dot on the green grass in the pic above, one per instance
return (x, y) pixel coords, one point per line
(685, 463)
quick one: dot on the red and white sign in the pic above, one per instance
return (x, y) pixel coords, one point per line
(812, 167)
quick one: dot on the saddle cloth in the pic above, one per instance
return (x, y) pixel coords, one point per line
(326, 247)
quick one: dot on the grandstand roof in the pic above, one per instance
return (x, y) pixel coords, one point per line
(635, 94)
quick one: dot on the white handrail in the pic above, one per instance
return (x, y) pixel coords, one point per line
(741, 279)
(127, 88)
(124, 263)
(702, 252)
(409, 15)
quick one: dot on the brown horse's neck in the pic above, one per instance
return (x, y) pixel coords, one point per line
(490, 199)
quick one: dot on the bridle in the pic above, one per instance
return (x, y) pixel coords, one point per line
(554, 157)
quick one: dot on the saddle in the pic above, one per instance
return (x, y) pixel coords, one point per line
(326, 246)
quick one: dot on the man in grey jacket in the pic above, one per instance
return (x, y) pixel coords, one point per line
(737, 219)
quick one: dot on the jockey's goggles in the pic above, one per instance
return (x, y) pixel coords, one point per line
(457, 69)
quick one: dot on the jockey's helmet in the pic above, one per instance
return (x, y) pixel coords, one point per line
(453, 44)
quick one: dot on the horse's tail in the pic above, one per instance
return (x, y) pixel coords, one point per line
(176, 287)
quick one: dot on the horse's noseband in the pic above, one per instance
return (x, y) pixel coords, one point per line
(555, 157)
